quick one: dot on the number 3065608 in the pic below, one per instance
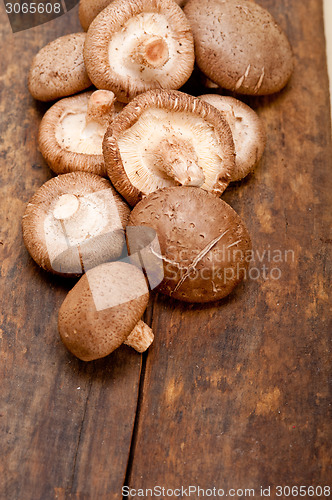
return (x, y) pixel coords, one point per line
(33, 8)
(303, 491)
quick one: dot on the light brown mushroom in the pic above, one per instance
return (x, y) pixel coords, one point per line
(74, 222)
(72, 131)
(103, 311)
(239, 46)
(58, 69)
(168, 138)
(204, 245)
(247, 129)
(136, 45)
(89, 9)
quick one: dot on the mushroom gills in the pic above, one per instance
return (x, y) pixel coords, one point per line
(148, 48)
(165, 148)
(82, 129)
(74, 220)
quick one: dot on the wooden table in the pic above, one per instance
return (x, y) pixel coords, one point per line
(232, 394)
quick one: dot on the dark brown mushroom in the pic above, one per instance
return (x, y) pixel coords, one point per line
(103, 311)
(204, 245)
(240, 46)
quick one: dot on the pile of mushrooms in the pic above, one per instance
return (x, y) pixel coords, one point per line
(140, 165)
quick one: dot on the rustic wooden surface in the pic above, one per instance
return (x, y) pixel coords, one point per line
(66, 426)
(233, 394)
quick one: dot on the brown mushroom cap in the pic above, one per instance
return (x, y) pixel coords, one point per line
(102, 309)
(89, 9)
(58, 69)
(74, 222)
(203, 242)
(136, 45)
(167, 138)
(247, 129)
(239, 46)
(72, 131)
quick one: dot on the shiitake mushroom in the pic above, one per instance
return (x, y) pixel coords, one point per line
(103, 311)
(204, 245)
(75, 222)
(167, 138)
(248, 132)
(240, 46)
(136, 45)
(58, 69)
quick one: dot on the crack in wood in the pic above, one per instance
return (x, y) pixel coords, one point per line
(79, 437)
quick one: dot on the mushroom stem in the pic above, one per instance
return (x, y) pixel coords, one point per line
(66, 206)
(152, 51)
(101, 107)
(177, 159)
(141, 337)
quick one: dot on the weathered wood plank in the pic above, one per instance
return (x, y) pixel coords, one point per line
(65, 425)
(236, 393)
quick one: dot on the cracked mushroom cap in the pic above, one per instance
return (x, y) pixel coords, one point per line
(72, 131)
(74, 222)
(136, 45)
(239, 46)
(204, 245)
(247, 129)
(103, 308)
(168, 138)
(58, 69)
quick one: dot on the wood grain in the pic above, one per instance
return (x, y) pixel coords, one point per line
(65, 426)
(235, 393)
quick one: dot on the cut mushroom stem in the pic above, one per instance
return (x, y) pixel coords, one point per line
(152, 51)
(66, 207)
(141, 337)
(101, 107)
(177, 159)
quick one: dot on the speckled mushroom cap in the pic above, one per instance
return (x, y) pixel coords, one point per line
(58, 69)
(89, 9)
(99, 313)
(72, 131)
(203, 243)
(74, 222)
(136, 45)
(247, 129)
(239, 46)
(168, 138)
